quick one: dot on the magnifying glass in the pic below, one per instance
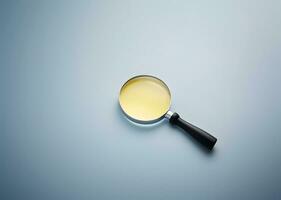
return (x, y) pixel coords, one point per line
(146, 99)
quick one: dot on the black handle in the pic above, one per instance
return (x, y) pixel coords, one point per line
(201, 136)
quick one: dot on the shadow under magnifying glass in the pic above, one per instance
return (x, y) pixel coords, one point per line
(149, 128)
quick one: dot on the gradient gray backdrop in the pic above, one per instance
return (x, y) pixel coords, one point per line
(62, 133)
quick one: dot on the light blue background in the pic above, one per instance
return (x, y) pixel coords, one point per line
(62, 133)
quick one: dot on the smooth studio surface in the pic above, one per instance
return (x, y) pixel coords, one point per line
(63, 134)
(145, 98)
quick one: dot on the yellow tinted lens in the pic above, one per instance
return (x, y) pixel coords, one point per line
(145, 98)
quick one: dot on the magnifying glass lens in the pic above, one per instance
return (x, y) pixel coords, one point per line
(145, 98)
